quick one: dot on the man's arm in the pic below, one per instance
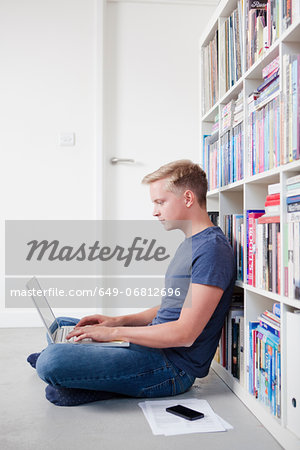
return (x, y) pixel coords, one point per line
(138, 319)
(200, 303)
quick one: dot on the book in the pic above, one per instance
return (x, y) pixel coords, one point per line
(274, 188)
(292, 199)
(251, 215)
(293, 207)
(292, 180)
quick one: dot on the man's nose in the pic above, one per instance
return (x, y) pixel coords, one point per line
(155, 212)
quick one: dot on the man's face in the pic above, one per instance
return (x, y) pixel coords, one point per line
(169, 208)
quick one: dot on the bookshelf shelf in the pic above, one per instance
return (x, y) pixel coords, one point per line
(276, 297)
(247, 190)
(210, 115)
(268, 177)
(292, 34)
(254, 72)
(237, 186)
(232, 93)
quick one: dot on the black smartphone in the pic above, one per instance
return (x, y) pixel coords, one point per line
(186, 413)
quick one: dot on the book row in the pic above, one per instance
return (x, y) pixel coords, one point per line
(262, 25)
(273, 128)
(231, 49)
(264, 362)
(224, 53)
(261, 230)
(223, 159)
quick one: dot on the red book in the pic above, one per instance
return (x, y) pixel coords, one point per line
(251, 246)
(269, 219)
(272, 202)
(272, 197)
(278, 263)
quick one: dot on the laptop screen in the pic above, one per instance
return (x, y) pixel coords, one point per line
(42, 305)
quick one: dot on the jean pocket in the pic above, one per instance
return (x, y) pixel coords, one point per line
(183, 382)
(163, 389)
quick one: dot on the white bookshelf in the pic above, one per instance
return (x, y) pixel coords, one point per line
(250, 193)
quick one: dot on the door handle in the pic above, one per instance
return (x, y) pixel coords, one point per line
(115, 160)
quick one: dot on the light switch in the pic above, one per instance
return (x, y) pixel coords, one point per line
(67, 139)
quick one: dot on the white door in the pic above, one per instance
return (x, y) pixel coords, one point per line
(150, 101)
(151, 97)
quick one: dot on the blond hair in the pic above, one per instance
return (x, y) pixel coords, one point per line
(181, 175)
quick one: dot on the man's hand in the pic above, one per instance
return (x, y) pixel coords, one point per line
(98, 333)
(98, 319)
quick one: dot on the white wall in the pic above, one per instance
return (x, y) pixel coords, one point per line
(47, 86)
(50, 82)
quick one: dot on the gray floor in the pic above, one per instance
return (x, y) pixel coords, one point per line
(29, 421)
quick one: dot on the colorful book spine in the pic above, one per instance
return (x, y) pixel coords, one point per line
(251, 215)
(264, 139)
(264, 366)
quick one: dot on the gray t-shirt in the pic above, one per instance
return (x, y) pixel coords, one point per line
(205, 258)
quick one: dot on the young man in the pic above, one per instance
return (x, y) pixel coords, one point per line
(171, 344)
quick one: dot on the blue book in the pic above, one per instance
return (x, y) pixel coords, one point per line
(268, 327)
(276, 309)
(268, 337)
(293, 199)
(278, 406)
(252, 326)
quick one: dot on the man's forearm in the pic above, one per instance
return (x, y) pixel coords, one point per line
(139, 319)
(170, 334)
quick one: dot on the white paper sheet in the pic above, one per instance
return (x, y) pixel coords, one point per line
(162, 422)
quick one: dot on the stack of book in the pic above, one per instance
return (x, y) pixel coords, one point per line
(265, 359)
(262, 23)
(210, 74)
(234, 231)
(291, 260)
(290, 12)
(290, 107)
(227, 116)
(270, 85)
(263, 235)
(231, 48)
(264, 149)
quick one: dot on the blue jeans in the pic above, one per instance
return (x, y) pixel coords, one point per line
(135, 371)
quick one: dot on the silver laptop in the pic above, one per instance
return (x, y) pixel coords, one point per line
(57, 333)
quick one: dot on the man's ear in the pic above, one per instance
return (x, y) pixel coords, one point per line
(189, 198)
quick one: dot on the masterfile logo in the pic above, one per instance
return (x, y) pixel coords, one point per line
(91, 263)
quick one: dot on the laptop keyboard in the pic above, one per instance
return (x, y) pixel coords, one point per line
(61, 334)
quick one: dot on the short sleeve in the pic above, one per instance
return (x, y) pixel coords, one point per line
(214, 264)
